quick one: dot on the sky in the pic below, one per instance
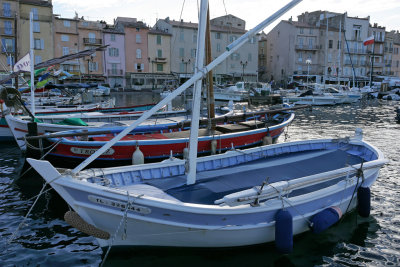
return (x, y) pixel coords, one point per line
(384, 12)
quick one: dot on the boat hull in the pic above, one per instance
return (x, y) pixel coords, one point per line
(157, 219)
(159, 147)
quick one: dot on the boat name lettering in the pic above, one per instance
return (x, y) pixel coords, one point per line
(89, 151)
(118, 204)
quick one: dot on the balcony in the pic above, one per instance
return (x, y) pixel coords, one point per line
(7, 13)
(36, 17)
(160, 60)
(92, 41)
(356, 51)
(307, 47)
(115, 72)
(7, 31)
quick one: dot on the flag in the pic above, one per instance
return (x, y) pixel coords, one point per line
(42, 83)
(24, 64)
(38, 71)
(369, 40)
(44, 76)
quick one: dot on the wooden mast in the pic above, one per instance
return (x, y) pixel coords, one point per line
(210, 87)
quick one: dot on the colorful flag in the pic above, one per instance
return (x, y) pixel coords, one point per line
(24, 64)
(369, 40)
(42, 83)
(38, 71)
(44, 76)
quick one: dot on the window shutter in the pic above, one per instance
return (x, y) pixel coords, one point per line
(42, 43)
(142, 66)
(135, 66)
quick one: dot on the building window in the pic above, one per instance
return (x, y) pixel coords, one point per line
(7, 45)
(138, 38)
(232, 38)
(113, 52)
(356, 32)
(8, 27)
(64, 38)
(67, 23)
(329, 57)
(300, 57)
(235, 56)
(160, 67)
(92, 38)
(65, 51)
(39, 44)
(38, 59)
(193, 53)
(85, 24)
(301, 30)
(138, 53)
(159, 39)
(35, 13)
(93, 66)
(218, 47)
(6, 10)
(310, 43)
(181, 52)
(159, 53)
(311, 31)
(250, 57)
(300, 42)
(36, 26)
(139, 67)
(339, 44)
(217, 35)
(330, 43)
(112, 37)
(182, 67)
(114, 68)
(181, 36)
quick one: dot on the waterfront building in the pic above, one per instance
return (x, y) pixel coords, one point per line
(90, 36)
(395, 66)
(324, 46)
(114, 56)
(262, 57)
(159, 57)
(43, 34)
(378, 55)
(9, 11)
(66, 41)
(136, 55)
(224, 30)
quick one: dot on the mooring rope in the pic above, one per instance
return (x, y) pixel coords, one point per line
(42, 157)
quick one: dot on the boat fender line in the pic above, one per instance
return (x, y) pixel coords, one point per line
(137, 157)
(364, 201)
(284, 231)
(325, 219)
(73, 219)
(214, 147)
(267, 140)
(185, 153)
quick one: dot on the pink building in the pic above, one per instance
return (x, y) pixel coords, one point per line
(114, 56)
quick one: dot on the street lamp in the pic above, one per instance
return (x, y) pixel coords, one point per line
(308, 62)
(244, 64)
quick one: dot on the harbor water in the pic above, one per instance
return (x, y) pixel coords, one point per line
(47, 240)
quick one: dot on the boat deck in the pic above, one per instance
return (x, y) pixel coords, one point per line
(215, 184)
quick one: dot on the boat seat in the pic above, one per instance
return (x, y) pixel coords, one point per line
(148, 190)
(232, 128)
(253, 124)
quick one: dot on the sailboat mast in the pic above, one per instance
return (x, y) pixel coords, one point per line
(230, 49)
(340, 49)
(32, 64)
(194, 127)
(210, 87)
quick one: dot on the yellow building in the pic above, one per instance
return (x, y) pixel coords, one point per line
(159, 51)
(66, 41)
(8, 15)
(42, 29)
(90, 36)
